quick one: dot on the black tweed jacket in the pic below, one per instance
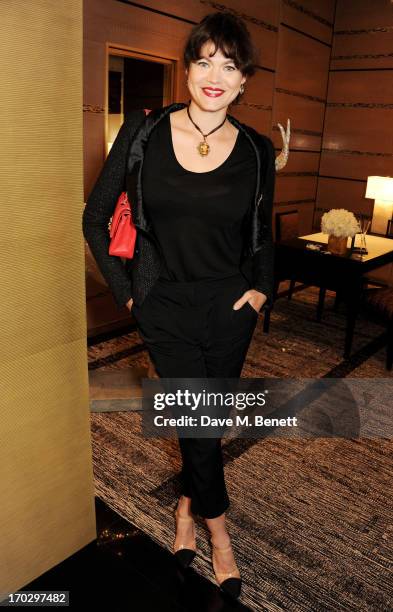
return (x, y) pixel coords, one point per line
(123, 170)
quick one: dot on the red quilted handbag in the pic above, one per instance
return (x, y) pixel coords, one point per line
(122, 231)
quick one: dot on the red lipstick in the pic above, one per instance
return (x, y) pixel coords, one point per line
(212, 92)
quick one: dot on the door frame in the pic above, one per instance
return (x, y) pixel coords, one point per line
(170, 75)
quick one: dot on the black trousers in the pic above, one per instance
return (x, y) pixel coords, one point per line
(191, 330)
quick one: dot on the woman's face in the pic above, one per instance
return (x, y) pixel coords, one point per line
(213, 82)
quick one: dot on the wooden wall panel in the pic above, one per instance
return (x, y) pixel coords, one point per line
(132, 26)
(371, 49)
(306, 121)
(315, 17)
(363, 14)
(94, 77)
(267, 11)
(296, 187)
(260, 16)
(257, 103)
(361, 88)
(317, 9)
(363, 35)
(357, 140)
(303, 64)
(355, 165)
(259, 119)
(301, 162)
(300, 94)
(262, 20)
(354, 129)
(265, 41)
(336, 193)
(259, 90)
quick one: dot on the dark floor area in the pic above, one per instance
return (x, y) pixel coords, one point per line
(125, 570)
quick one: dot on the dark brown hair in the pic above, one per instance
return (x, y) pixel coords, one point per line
(229, 34)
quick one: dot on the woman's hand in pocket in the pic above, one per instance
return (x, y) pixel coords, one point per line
(255, 298)
(129, 304)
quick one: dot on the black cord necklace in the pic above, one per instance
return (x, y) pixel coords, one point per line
(203, 147)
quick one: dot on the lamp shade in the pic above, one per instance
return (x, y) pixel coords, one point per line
(380, 188)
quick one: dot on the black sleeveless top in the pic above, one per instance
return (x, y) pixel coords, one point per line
(197, 216)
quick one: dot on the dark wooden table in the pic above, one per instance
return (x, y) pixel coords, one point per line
(341, 273)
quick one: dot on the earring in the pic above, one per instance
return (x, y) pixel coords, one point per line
(241, 90)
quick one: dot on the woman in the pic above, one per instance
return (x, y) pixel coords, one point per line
(203, 264)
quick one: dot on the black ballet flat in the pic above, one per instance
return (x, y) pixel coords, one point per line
(232, 585)
(184, 556)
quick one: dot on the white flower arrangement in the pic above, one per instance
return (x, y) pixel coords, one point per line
(339, 222)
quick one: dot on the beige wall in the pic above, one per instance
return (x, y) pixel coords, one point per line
(47, 493)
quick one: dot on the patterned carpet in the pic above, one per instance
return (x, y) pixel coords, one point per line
(311, 520)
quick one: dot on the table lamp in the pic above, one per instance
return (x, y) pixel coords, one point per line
(380, 188)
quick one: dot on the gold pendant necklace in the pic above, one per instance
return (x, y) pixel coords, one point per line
(203, 148)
